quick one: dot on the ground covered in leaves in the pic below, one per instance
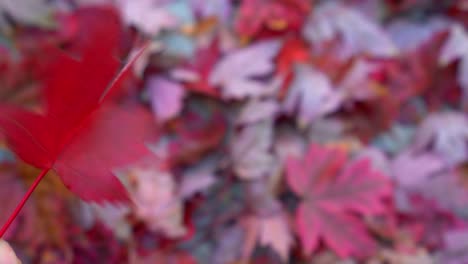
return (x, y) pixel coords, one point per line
(281, 131)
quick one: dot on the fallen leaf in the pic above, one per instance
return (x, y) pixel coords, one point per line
(235, 72)
(312, 94)
(411, 170)
(330, 189)
(250, 151)
(148, 16)
(272, 231)
(77, 133)
(166, 97)
(257, 110)
(196, 72)
(196, 180)
(444, 133)
(358, 35)
(156, 202)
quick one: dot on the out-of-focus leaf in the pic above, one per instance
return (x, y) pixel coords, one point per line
(311, 94)
(229, 245)
(455, 250)
(282, 15)
(330, 189)
(453, 200)
(411, 170)
(156, 202)
(358, 85)
(34, 12)
(197, 180)
(456, 48)
(195, 137)
(409, 35)
(272, 231)
(446, 134)
(251, 151)
(358, 35)
(197, 72)
(257, 110)
(149, 16)
(166, 97)
(235, 73)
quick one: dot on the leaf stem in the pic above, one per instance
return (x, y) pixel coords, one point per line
(23, 201)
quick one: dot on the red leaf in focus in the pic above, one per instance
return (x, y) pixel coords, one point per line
(80, 135)
(332, 193)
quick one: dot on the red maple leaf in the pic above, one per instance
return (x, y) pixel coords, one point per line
(334, 194)
(82, 134)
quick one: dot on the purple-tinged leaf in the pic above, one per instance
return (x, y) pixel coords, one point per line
(311, 94)
(358, 34)
(166, 97)
(446, 134)
(235, 72)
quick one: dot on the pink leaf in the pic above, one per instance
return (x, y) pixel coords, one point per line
(235, 72)
(166, 97)
(330, 191)
(312, 94)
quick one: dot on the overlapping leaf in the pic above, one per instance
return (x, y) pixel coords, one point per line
(77, 133)
(330, 189)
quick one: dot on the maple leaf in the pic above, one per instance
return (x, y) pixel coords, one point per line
(358, 34)
(77, 133)
(235, 72)
(312, 93)
(330, 190)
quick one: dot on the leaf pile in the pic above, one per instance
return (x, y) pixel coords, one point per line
(253, 131)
